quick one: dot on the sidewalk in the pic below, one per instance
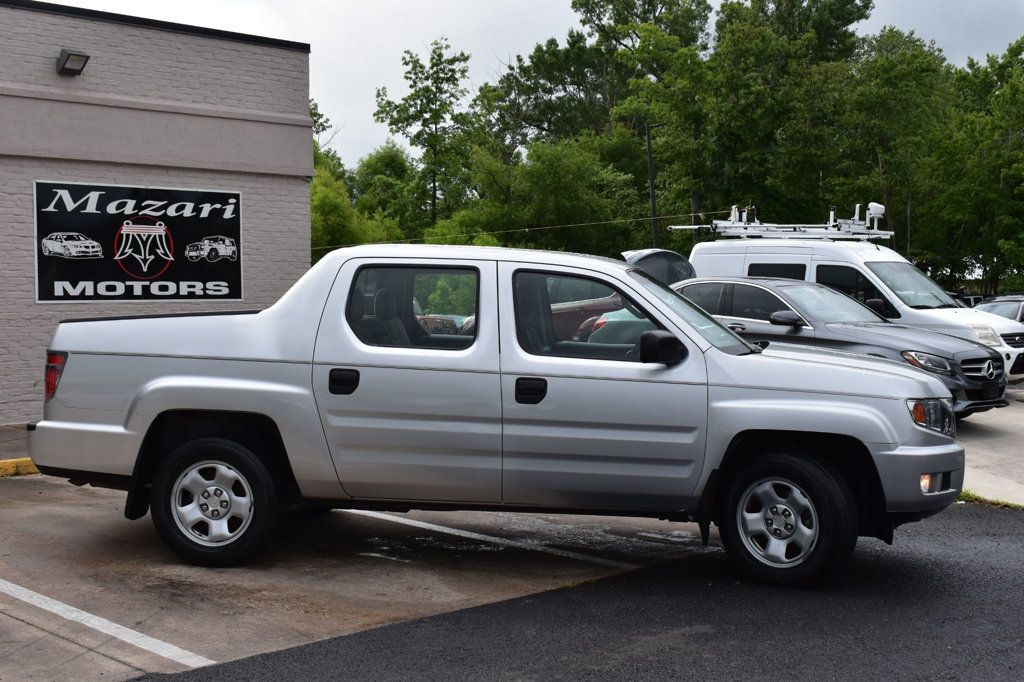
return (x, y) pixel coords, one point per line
(994, 441)
(14, 452)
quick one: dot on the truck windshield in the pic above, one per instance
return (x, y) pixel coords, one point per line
(912, 286)
(708, 327)
(828, 305)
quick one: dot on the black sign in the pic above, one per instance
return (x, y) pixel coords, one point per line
(107, 242)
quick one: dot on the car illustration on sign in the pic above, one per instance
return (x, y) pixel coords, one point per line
(212, 248)
(70, 245)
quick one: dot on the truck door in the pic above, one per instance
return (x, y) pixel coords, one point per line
(412, 414)
(585, 423)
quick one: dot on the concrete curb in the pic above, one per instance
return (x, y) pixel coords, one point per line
(17, 467)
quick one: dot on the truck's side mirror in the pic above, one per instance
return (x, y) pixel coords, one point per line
(876, 304)
(661, 347)
(786, 318)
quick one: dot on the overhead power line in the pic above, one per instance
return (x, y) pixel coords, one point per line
(467, 235)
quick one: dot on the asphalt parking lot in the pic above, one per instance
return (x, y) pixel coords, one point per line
(85, 594)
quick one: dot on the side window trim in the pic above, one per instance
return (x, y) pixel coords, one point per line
(415, 269)
(768, 291)
(616, 291)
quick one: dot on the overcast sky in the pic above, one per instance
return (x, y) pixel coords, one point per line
(357, 44)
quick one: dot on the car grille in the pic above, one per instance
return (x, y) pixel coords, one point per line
(1016, 340)
(1018, 365)
(976, 368)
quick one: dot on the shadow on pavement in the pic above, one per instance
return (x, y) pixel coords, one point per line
(945, 601)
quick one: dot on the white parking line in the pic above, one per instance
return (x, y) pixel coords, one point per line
(504, 542)
(136, 639)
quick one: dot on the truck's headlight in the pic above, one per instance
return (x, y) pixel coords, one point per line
(935, 414)
(932, 363)
(987, 335)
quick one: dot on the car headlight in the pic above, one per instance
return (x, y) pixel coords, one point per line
(935, 414)
(987, 335)
(932, 363)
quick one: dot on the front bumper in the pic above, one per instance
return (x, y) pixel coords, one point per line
(901, 468)
(970, 395)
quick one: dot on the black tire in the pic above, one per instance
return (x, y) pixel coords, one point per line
(833, 514)
(212, 256)
(264, 508)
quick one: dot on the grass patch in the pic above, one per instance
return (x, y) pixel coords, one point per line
(968, 496)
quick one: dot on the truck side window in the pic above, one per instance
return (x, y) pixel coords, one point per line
(706, 295)
(854, 284)
(787, 270)
(754, 303)
(596, 323)
(414, 307)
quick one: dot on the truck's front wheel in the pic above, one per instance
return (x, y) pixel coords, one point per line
(788, 520)
(214, 502)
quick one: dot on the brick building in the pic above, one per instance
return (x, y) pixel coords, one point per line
(123, 154)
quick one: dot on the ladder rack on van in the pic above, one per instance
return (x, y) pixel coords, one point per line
(744, 224)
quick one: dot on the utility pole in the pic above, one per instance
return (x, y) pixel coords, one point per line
(650, 183)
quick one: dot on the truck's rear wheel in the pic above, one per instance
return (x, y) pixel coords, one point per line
(214, 502)
(788, 520)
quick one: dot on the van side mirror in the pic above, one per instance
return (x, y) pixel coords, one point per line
(786, 318)
(876, 304)
(661, 347)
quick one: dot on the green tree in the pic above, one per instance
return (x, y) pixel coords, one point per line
(429, 115)
(324, 133)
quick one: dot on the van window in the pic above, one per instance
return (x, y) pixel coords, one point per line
(787, 270)
(912, 286)
(854, 284)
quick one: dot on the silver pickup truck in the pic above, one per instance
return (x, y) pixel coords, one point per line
(338, 397)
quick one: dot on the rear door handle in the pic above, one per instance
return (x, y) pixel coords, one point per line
(530, 390)
(343, 381)
(737, 327)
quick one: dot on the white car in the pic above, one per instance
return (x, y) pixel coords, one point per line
(874, 275)
(70, 245)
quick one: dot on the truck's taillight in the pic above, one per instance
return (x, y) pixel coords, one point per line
(54, 368)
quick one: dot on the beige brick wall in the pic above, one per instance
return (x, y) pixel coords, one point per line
(250, 94)
(144, 63)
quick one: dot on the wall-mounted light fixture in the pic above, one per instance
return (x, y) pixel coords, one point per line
(71, 62)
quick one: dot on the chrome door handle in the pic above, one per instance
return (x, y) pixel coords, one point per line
(737, 327)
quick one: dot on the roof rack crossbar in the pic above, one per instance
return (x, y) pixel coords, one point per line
(743, 223)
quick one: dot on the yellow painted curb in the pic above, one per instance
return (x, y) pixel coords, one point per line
(17, 467)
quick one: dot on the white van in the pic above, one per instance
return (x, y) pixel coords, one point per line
(864, 271)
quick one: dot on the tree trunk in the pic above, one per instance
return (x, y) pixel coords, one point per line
(433, 196)
(908, 215)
